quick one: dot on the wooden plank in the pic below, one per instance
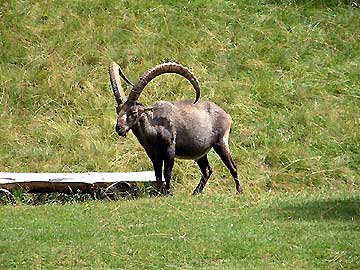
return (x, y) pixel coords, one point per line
(65, 182)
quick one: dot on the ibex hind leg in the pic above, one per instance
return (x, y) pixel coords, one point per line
(206, 172)
(222, 149)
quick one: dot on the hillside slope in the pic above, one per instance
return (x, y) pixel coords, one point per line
(287, 72)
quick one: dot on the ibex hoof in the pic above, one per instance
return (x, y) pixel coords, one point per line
(239, 190)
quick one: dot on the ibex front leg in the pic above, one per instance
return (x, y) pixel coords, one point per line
(158, 164)
(168, 166)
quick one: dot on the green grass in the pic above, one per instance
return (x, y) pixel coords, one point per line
(204, 232)
(286, 71)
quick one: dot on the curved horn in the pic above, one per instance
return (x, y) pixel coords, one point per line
(114, 72)
(161, 69)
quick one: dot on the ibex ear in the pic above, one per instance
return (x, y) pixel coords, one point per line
(144, 109)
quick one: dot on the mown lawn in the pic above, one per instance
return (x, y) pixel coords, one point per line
(273, 231)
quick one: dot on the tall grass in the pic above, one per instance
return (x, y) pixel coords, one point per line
(286, 71)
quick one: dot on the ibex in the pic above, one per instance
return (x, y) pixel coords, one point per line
(169, 129)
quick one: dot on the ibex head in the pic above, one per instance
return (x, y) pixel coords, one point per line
(128, 109)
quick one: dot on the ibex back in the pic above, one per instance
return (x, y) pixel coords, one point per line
(183, 129)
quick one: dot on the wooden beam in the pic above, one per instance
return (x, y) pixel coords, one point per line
(65, 182)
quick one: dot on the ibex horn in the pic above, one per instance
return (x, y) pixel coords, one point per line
(115, 71)
(161, 69)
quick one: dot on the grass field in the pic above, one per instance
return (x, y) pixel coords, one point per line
(284, 231)
(287, 72)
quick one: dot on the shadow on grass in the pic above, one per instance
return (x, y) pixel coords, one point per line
(323, 209)
(317, 3)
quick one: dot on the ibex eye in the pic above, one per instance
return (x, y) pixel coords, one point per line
(132, 115)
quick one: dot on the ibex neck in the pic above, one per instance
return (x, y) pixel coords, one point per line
(144, 130)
